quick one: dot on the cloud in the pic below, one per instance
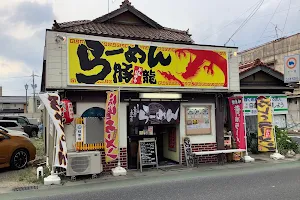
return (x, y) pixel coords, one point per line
(22, 37)
(23, 24)
(14, 75)
(9, 67)
(32, 13)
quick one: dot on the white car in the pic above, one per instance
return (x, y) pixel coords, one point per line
(12, 125)
(13, 132)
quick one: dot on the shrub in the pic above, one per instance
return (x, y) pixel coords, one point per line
(284, 142)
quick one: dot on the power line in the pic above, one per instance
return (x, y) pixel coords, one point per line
(255, 17)
(231, 22)
(246, 21)
(15, 77)
(287, 15)
(270, 20)
(280, 11)
(246, 44)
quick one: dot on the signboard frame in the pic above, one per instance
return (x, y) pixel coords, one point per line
(140, 154)
(149, 43)
(199, 130)
(248, 112)
(292, 72)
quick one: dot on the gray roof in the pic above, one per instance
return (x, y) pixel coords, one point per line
(12, 99)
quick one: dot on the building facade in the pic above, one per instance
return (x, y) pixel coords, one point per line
(16, 105)
(12, 104)
(272, 53)
(149, 64)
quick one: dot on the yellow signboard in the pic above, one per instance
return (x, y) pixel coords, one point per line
(131, 65)
(265, 125)
(111, 135)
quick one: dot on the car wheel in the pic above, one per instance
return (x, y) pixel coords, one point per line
(33, 133)
(19, 159)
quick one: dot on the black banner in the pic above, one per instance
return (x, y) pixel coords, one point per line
(147, 113)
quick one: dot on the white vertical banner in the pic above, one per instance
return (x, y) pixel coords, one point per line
(51, 126)
(51, 102)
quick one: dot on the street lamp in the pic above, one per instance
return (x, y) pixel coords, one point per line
(26, 88)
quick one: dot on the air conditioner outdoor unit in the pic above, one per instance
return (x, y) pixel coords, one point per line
(84, 163)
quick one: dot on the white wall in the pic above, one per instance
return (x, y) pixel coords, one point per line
(198, 139)
(81, 107)
(56, 60)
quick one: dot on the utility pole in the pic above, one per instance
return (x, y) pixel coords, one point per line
(34, 86)
(276, 31)
(26, 88)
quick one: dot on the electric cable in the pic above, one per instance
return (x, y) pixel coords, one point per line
(287, 15)
(246, 21)
(218, 31)
(269, 21)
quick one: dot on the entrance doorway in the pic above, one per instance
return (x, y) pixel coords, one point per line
(158, 121)
(167, 141)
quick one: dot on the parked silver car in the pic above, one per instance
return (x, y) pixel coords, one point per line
(12, 125)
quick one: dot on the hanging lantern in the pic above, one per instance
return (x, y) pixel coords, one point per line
(67, 111)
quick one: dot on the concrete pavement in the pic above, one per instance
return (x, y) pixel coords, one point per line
(277, 181)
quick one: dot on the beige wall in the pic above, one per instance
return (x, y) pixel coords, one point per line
(273, 51)
(293, 117)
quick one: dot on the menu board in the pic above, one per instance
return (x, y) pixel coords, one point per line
(198, 120)
(148, 153)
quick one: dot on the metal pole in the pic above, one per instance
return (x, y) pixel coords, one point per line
(33, 92)
(119, 105)
(54, 150)
(26, 88)
(26, 102)
(245, 129)
(34, 86)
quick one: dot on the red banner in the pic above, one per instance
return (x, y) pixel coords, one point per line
(237, 121)
(111, 127)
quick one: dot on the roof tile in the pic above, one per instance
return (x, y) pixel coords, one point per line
(256, 63)
(126, 31)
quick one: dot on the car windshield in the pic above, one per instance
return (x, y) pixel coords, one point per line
(22, 121)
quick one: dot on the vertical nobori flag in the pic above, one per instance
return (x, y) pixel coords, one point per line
(111, 126)
(265, 132)
(237, 121)
(51, 102)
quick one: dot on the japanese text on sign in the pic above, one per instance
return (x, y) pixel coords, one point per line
(111, 127)
(237, 120)
(279, 104)
(106, 63)
(52, 105)
(265, 126)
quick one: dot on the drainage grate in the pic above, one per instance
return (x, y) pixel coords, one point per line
(25, 188)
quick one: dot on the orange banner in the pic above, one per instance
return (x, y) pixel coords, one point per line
(111, 142)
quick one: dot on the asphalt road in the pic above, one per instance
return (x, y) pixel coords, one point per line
(274, 183)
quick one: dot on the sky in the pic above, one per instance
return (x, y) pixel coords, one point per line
(23, 24)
